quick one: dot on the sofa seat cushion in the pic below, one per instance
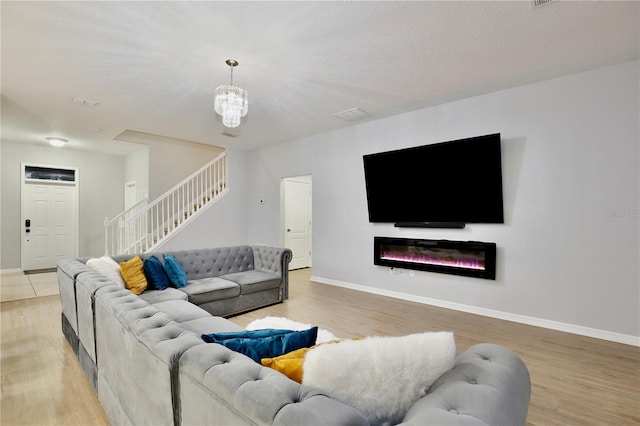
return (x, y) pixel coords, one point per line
(209, 289)
(254, 281)
(181, 311)
(210, 324)
(157, 296)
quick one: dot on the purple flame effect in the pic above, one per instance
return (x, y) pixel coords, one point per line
(439, 261)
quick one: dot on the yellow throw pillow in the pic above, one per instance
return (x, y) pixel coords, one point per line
(289, 364)
(133, 274)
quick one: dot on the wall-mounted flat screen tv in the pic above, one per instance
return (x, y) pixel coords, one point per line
(455, 181)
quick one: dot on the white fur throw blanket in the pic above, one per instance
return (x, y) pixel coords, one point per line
(382, 377)
(287, 324)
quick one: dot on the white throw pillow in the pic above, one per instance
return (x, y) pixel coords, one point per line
(107, 267)
(382, 377)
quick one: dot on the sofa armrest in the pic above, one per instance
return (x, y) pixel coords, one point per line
(274, 260)
(488, 385)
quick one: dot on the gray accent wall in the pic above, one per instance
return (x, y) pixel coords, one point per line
(568, 252)
(101, 180)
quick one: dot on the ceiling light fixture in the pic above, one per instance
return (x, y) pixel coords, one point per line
(57, 142)
(231, 101)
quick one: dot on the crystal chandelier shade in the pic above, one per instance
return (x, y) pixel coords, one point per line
(231, 101)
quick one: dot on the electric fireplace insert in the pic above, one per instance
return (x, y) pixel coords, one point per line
(466, 258)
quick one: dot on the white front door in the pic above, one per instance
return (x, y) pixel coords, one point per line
(48, 224)
(297, 220)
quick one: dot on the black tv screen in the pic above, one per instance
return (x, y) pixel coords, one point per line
(455, 181)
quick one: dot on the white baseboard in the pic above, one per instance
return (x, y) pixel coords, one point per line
(523, 319)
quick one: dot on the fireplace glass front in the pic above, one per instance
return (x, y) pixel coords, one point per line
(467, 258)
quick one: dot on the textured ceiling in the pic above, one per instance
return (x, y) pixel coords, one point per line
(153, 66)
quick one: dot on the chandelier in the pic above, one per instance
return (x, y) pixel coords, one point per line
(231, 101)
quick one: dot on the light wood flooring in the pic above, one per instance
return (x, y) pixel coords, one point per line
(576, 380)
(18, 286)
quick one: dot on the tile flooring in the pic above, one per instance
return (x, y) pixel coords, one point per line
(17, 286)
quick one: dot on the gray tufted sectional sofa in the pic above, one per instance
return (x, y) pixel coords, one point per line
(149, 365)
(224, 281)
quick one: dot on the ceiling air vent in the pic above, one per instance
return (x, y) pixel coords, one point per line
(228, 134)
(539, 3)
(85, 102)
(352, 115)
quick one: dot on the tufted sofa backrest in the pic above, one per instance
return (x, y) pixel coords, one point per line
(213, 262)
(248, 393)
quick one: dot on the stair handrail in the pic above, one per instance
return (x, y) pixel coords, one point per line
(119, 219)
(144, 200)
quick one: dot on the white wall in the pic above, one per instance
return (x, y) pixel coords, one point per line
(171, 162)
(224, 223)
(568, 252)
(101, 194)
(136, 168)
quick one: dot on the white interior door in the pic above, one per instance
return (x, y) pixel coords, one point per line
(297, 220)
(49, 223)
(130, 194)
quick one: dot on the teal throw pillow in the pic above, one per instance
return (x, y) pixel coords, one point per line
(176, 274)
(245, 334)
(154, 271)
(271, 346)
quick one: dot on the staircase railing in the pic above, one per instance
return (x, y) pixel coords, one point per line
(155, 223)
(116, 227)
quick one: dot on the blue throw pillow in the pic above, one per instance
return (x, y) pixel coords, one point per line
(245, 334)
(154, 271)
(271, 346)
(176, 274)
